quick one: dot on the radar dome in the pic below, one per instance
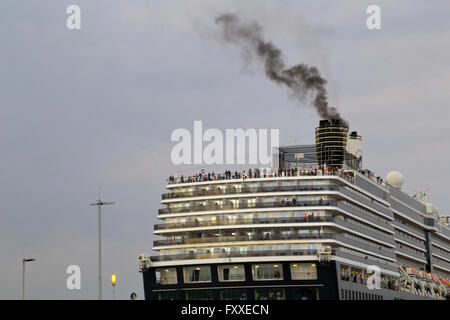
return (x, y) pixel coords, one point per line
(395, 179)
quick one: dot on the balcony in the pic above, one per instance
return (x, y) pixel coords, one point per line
(406, 211)
(373, 248)
(237, 206)
(217, 255)
(276, 253)
(441, 263)
(261, 222)
(363, 258)
(440, 243)
(409, 241)
(370, 233)
(256, 174)
(373, 205)
(410, 253)
(166, 242)
(245, 190)
(402, 226)
(367, 217)
(248, 190)
(234, 222)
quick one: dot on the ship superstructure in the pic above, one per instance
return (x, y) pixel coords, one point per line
(313, 228)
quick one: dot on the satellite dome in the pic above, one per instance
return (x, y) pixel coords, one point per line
(395, 179)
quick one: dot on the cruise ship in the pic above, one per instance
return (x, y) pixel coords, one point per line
(317, 227)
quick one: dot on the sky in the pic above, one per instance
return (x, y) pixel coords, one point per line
(97, 106)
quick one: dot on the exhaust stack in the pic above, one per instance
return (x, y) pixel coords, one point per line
(331, 142)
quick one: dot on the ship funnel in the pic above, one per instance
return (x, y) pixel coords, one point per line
(331, 142)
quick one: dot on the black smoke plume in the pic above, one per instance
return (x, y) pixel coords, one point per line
(302, 79)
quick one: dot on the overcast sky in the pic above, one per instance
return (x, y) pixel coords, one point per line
(98, 105)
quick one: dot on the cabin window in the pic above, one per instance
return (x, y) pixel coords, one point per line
(165, 276)
(267, 271)
(303, 271)
(197, 274)
(231, 273)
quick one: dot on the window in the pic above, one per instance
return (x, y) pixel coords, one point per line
(199, 295)
(281, 248)
(303, 271)
(303, 293)
(267, 272)
(231, 273)
(357, 276)
(167, 295)
(267, 235)
(303, 232)
(284, 217)
(233, 294)
(345, 272)
(197, 274)
(269, 294)
(166, 276)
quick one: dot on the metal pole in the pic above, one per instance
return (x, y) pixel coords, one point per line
(99, 203)
(23, 279)
(24, 260)
(99, 252)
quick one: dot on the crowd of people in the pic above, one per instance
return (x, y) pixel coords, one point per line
(264, 173)
(362, 278)
(293, 201)
(369, 174)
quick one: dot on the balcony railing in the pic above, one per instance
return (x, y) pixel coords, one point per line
(216, 255)
(244, 190)
(278, 220)
(366, 259)
(442, 263)
(411, 242)
(439, 242)
(371, 247)
(411, 253)
(237, 206)
(272, 253)
(229, 222)
(375, 205)
(228, 191)
(157, 243)
(399, 225)
(239, 176)
(365, 215)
